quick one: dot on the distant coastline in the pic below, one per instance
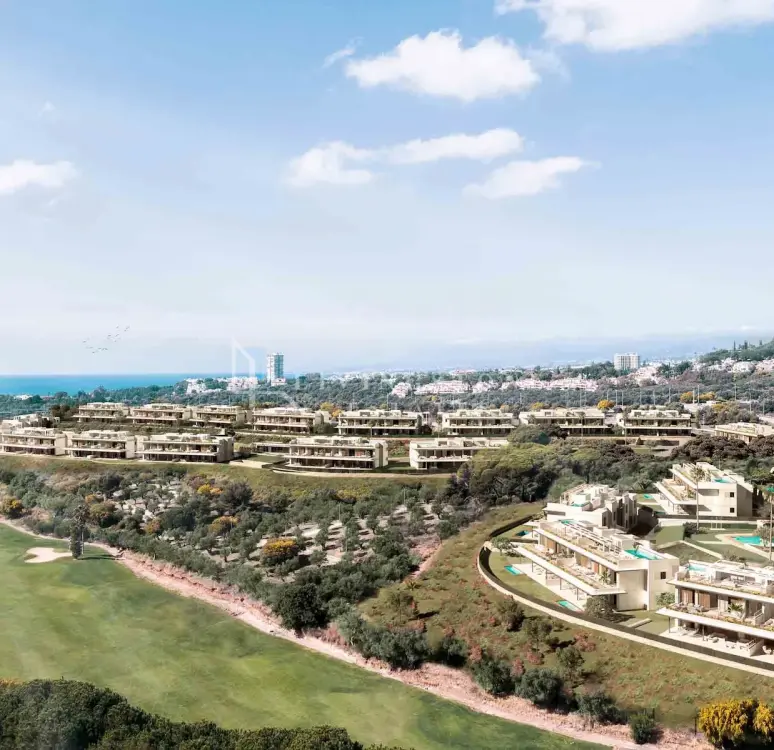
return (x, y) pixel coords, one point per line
(47, 385)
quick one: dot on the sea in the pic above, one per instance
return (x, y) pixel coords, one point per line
(47, 385)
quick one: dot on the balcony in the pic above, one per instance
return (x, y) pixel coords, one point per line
(744, 622)
(738, 584)
(569, 569)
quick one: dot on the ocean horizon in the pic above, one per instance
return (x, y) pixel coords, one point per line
(48, 385)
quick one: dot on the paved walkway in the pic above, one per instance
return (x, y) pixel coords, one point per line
(618, 634)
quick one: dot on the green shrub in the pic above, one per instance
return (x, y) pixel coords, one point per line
(599, 708)
(493, 675)
(541, 686)
(643, 727)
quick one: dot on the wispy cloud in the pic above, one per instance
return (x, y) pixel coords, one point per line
(523, 178)
(332, 163)
(48, 110)
(439, 65)
(22, 174)
(341, 54)
(612, 25)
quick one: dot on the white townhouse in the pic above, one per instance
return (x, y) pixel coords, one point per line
(101, 444)
(337, 454)
(185, 447)
(33, 441)
(159, 414)
(476, 422)
(449, 454)
(218, 415)
(290, 421)
(598, 504)
(704, 490)
(572, 422)
(102, 411)
(378, 422)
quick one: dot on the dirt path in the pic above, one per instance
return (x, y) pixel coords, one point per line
(450, 684)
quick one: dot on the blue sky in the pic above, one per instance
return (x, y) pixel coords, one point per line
(462, 172)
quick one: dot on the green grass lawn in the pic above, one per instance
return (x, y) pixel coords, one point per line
(93, 620)
(732, 549)
(668, 534)
(452, 594)
(685, 552)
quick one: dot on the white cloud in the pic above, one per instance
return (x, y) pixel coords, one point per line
(341, 54)
(521, 178)
(438, 65)
(610, 25)
(331, 163)
(481, 147)
(22, 174)
(327, 164)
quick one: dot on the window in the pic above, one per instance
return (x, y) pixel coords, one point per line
(663, 575)
(730, 494)
(731, 510)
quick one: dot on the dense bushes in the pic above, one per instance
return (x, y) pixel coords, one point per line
(66, 715)
(401, 648)
(493, 675)
(643, 728)
(737, 723)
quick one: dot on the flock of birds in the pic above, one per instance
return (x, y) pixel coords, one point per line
(108, 341)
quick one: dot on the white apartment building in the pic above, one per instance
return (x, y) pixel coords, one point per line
(577, 560)
(218, 415)
(744, 431)
(159, 414)
(439, 387)
(597, 504)
(727, 606)
(471, 422)
(34, 441)
(656, 423)
(101, 444)
(38, 419)
(106, 411)
(704, 488)
(337, 454)
(371, 422)
(448, 454)
(185, 447)
(572, 422)
(626, 362)
(275, 368)
(287, 420)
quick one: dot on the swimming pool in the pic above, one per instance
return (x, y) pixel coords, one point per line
(512, 570)
(756, 540)
(697, 568)
(523, 532)
(643, 554)
(569, 605)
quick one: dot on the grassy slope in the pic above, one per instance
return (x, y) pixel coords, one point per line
(452, 594)
(93, 620)
(264, 479)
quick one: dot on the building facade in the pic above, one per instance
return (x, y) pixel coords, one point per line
(185, 447)
(449, 454)
(33, 441)
(107, 411)
(337, 454)
(217, 415)
(473, 422)
(159, 414)
(626, 362)
(704, 490)
(579, 560)
(101, 444)
(370, 422)
(572, 422)
(275, 368)
(656, 423)
(744, 431)
(598, 504)
(288, 421)
(728, 606)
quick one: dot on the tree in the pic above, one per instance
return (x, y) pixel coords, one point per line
(605, 404)
(300, 606)
(512, 614)
(598, 707)
(80, 514)
(541, 686)
(278, 551)
(493, 675)
(12, 508)
(537, 629)
(600, 607)
(727, 722)
(570, 661)
(642, 727)
(402, 603)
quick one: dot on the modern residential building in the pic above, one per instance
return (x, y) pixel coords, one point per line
(38, 419)
(656, 423)
(288, 421)
(218, 415)
(369, 422)
(185, 447)
(471, 422)
(101, 444)
(728, 606)
(104, 411)
(744, 431)
(626, 362)
(704, 490)
(337, 454)
(598, 504)
(448, 454)
(573, 422)
(159, 414)
(275, 368)
(270, 444)
(577, 560)
(34, 441)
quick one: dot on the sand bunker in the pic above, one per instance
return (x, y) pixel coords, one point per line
(45, 554)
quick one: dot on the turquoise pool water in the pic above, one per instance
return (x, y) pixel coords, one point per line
(522, 533)
(756, 540)
(643, 554)
(569, 605)
(697, 568)
(567, 522)
(514, 571)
